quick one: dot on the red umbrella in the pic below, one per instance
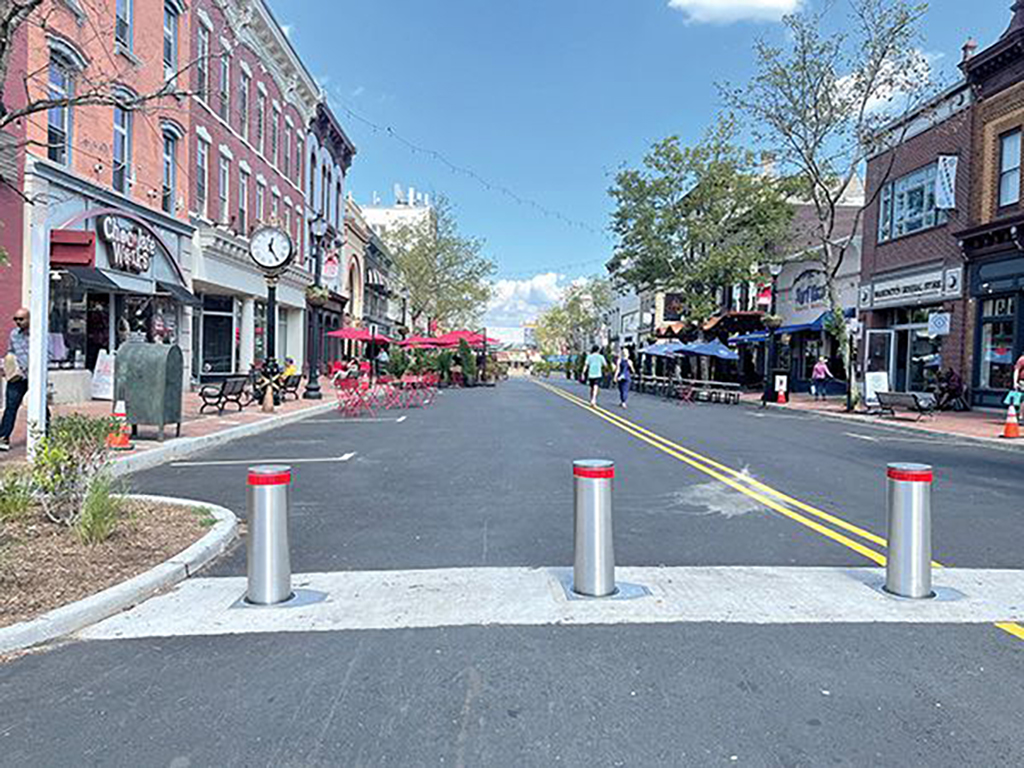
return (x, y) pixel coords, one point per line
(470, 337)
(419, 342)
(359, 334)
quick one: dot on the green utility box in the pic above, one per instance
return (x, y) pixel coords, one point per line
(148, 377)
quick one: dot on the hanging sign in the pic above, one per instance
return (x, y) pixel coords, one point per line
(945, 183)
(938, 323)
(331, 266)
(132, 249)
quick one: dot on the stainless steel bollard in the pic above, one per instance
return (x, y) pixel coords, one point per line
(594, 561)
(269, 562)
(908, 568)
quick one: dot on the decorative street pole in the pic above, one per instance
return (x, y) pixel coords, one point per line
(772, 325)
(318, 228)
(270, 247)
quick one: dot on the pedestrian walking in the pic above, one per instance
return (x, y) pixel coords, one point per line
(623, 375)
(819, 379)
(16, 373)
(594, 366)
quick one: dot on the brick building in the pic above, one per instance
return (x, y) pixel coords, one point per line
(250, 117)
(993, 240)
(102, 180)
(914, 318)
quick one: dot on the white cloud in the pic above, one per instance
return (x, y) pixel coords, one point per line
(728, 11)
(515, 302)
(900, 88)
(358, 91)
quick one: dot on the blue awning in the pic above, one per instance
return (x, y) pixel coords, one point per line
(710, 349)
(663, 349)
(750, 338)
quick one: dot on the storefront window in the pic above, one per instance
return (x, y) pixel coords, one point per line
(907, 205)
(997, 343)
(282, 334)
(68, 311)
(925, 361)
(811, 353)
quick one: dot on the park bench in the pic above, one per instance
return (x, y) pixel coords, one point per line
(228, 390)
(290, 386)
(922, 404)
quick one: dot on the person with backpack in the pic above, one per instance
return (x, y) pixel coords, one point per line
(594, 366)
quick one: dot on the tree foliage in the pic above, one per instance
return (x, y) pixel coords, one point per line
(445, 272)
(576, 320)
(692, 219)
(820, 103)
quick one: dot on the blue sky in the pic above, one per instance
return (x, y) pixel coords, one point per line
(546, 98)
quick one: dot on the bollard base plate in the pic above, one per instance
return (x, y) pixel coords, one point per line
(623, 590)
(299, 598)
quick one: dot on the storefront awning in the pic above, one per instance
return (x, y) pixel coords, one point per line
(92, 279)
(749, 338)
(178, 293)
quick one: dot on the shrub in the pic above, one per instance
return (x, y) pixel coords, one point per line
(468, 361)
(68, 458)
(101, 511)
(15, 494)
(398, 361)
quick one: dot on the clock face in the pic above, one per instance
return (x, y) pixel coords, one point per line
(271, 248)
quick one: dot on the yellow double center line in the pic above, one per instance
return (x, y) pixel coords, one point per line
(764, 494)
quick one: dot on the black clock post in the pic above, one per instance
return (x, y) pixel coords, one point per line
(271, 369)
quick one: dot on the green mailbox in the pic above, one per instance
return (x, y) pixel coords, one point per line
(148, 377)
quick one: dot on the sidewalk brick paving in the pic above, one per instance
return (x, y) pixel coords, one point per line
(193, 423)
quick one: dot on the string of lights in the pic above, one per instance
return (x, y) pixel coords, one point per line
(489, 185)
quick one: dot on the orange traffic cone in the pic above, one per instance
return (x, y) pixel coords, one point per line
(781, 399)
(120, 439)
(1012, 427)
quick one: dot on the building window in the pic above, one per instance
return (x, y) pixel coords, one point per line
(287, 169)
(122, 149)
(298, 161)
(275, 205)
(338, 208)
(58, 121)
(287, 218)
(225, 85)
(244, 84)
(243, 203)
(275, 119)
(170, 161)
(261, 198)
(224, 185)
(907, 205)
(261, 123)
(1009, 168)
(203, 63)
(202, 177)
(997, 358)
(218, 334)
(123, 24)
(170, 41)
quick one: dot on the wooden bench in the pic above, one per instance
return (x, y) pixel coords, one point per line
(229, 390)
(690, 390)
(915, 402)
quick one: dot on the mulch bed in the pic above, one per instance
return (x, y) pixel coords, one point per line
(44, 566)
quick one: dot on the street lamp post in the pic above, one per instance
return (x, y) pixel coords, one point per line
(769, 363)
(318, 228)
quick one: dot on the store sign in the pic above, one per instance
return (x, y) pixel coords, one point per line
(913, 289)
(675, 307)
(939, 323)
(103, 377)
(809, 290)
(132, 249)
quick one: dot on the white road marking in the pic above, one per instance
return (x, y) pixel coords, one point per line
(869, 438)
(400, 419)
(230, 462)
(455, 597)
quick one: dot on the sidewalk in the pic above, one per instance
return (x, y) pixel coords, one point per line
(972, 424)
(193, 423)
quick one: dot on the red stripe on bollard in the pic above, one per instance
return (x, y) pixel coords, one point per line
(597, 474)
(911, 476)
(281, 478)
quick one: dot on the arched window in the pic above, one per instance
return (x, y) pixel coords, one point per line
(65, 63)
(172, 135)
(122, 145)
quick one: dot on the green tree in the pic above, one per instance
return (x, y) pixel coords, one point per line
(576, 320)
(445, 272)
(696, 218)
(824, 102)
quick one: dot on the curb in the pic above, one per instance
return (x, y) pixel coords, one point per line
(89, 610)
(186, 446)
(863, 419)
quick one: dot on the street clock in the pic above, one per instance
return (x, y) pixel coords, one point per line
(271, 249)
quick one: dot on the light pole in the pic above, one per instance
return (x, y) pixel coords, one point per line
(771, 325)
(318, 228)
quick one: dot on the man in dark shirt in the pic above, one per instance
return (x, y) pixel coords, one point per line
(17, 385)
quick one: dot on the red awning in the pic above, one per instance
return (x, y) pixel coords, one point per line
(359, 334)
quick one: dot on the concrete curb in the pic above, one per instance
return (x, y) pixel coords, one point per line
(78, 615)
(868, 421)
(186, 446)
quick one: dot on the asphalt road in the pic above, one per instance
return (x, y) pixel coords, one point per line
(483, 477)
